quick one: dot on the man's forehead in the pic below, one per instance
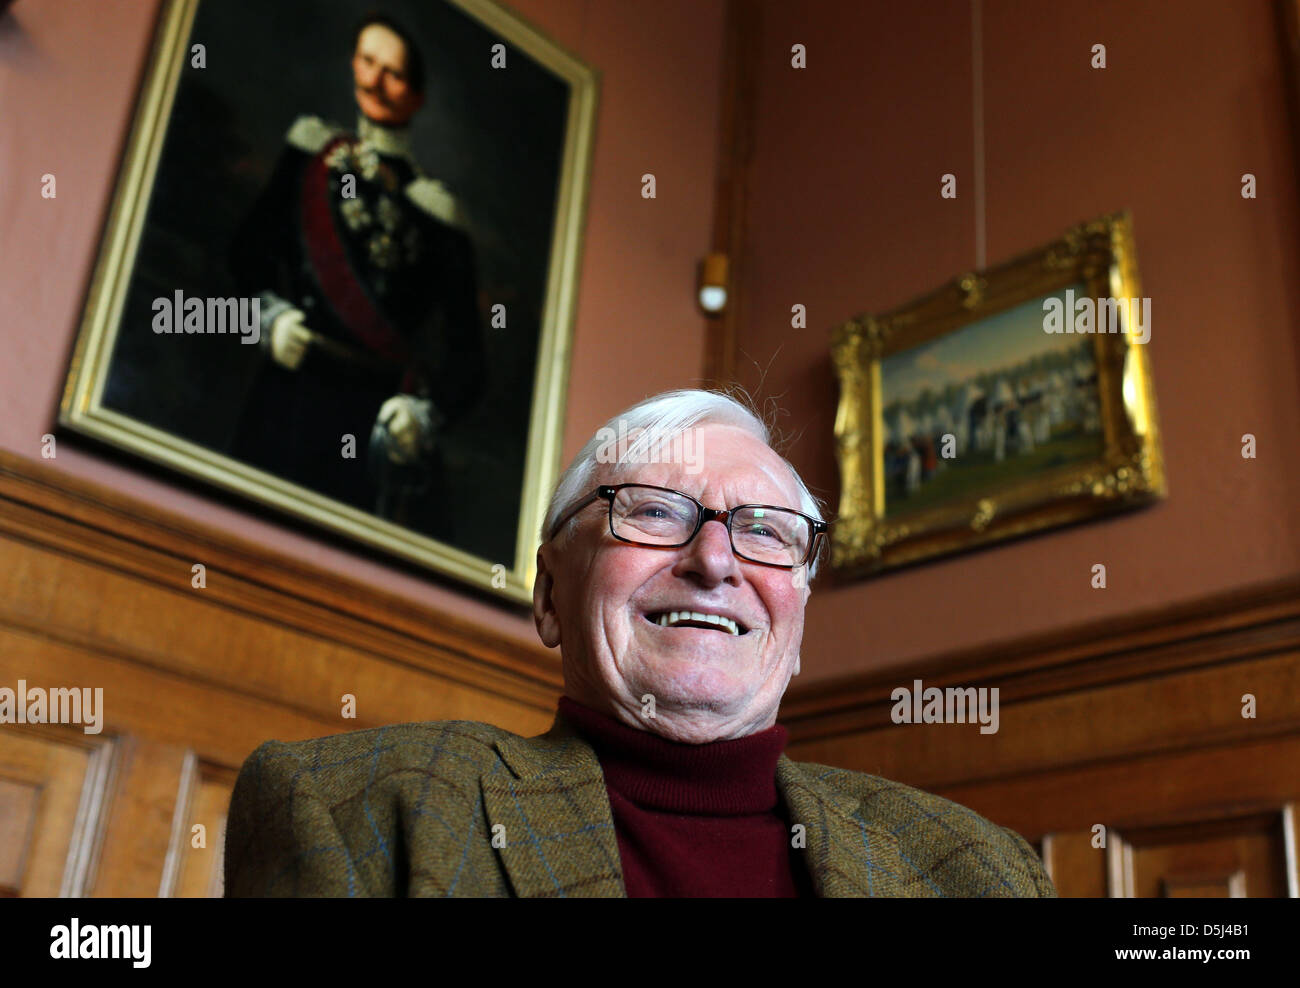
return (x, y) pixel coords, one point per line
(381, 36)
(718, 465)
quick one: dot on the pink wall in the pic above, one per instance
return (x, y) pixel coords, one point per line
(69, 71)
(846, 217)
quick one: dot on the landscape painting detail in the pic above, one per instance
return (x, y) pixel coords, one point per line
(1014, 401)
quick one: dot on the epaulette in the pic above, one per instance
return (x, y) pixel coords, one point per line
(310, 134)
(432, 196)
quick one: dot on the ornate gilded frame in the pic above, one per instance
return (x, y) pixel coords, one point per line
(1130, 473)
(82, 408)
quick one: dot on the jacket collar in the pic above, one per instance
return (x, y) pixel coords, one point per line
(558, 834)
(848, 856)
(392, 141)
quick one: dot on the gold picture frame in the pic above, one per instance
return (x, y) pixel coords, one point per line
(986, 499)
(83, 408)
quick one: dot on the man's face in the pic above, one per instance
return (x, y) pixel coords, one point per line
(593, 594)
(383, 90)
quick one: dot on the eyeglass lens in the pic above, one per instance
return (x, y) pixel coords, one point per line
(654, 517)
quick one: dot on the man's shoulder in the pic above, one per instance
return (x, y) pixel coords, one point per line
(435, 201)
(887, 800)
(340, 761)
(949, 844)
(310, 134)
(328, 815)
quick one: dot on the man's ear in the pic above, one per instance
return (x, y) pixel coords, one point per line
(544, 614)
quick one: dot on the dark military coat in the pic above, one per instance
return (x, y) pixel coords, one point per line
(374, 255)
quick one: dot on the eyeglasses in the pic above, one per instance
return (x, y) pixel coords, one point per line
(766, 534)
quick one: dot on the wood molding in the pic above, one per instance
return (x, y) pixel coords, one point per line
(1136, 721)
(731, 196)
(43, 507)
(1242, 624)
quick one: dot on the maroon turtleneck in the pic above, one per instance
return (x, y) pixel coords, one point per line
(695, 820)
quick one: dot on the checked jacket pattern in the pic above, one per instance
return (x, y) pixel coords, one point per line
(457, 808)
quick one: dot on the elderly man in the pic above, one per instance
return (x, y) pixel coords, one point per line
(675, 587)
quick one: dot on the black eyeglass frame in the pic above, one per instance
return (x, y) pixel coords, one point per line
(703, 515)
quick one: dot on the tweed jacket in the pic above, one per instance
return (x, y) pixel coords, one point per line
(457, 808)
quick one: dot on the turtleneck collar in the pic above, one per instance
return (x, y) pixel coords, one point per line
(394, 141)
(721, 778)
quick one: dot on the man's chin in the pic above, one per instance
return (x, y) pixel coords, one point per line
(378, 113)
(691, 693)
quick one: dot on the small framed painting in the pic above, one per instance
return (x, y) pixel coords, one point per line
(1009, 401)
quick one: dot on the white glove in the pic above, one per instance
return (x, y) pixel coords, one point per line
(411, 426)
(289, 338)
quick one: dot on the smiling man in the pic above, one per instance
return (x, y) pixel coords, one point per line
(676, 594)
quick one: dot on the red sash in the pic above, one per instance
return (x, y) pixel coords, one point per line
(339, 282)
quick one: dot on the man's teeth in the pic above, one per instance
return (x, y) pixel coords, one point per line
(670, 618)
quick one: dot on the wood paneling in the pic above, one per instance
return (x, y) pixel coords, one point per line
(1122, 748)
(1228, 858)
(1137, 727)
(109, 537)
(95, 591)
(143, 802)
(198, 856)
(18, 803)
(54, 810)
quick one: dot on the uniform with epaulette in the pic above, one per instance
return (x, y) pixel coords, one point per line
(374, 254)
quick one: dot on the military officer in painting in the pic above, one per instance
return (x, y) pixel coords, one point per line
(370, 324)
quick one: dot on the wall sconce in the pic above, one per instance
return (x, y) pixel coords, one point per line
(713, 283)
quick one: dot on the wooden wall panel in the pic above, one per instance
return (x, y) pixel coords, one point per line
(1229, 858)
(1149, 714)
(1077, 865)
(18, 805)
(143, 802)
(53, 783)
(198, 858)
(96, 591)
(1135, 727)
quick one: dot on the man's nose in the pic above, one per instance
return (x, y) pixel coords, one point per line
(709, 555)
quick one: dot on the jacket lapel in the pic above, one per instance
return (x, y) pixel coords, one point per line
(846, 855)
(557, 831)
(556, 835)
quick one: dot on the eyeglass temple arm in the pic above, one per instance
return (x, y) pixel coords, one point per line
(593, 496)
(819, 529)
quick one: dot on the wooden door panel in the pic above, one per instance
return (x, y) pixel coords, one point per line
(200, 869)
(1228, 858)
(53, 805)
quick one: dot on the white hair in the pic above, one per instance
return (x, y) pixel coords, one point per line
(659, 419)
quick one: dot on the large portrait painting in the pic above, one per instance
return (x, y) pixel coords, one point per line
(339, 273)
(1009, 401)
